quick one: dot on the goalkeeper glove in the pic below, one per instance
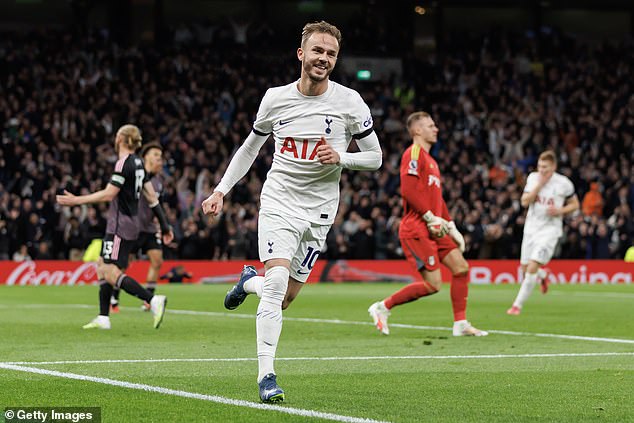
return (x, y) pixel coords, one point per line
(455, 234)
(437, 225)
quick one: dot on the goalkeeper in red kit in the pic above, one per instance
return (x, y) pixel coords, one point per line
(427, 233)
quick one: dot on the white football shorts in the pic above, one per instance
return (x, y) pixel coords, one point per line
(291, 238)
(538, 247)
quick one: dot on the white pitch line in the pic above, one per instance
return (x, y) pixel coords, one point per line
(185, 394)
(352, 358)
(595, 295)
(352, 322)
(400, 325)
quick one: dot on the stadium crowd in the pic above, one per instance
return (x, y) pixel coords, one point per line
(498, 98)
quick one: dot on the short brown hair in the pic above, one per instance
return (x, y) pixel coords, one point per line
(149, 146)
(132, 136)
(549, 156)
(320, 27)
(416, 116)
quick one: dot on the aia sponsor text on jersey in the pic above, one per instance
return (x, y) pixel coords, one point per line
(546, 201)
(306, 149)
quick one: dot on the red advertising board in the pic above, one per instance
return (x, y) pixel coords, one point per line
(51, 272)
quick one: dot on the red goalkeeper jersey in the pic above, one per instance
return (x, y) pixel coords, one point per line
(421, 191)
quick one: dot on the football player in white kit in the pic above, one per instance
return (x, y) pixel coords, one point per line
(312, 120)
(549, 196)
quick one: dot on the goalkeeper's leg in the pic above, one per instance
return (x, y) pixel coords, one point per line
(459, 268)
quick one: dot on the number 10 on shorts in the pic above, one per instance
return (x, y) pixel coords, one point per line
(311, 257)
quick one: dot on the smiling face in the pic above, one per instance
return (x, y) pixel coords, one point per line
(318, 55)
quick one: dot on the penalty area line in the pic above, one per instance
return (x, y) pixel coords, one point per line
(186, 394)
(351, 358)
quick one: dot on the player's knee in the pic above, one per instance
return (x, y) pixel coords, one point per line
(461, 269)
(102, 271)
(100, 275)
(111, 275)
(435, 286)
(532, 267)
(275, 284)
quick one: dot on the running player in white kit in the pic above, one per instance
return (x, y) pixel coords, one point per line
(312, 120)
(549, 196)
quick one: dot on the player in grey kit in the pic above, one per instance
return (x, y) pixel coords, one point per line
(123, 192)
(149, 240)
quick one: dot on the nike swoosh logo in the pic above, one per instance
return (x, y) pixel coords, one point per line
(284, 122)
(302, 273)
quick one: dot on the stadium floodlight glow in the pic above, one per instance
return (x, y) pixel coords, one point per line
(364, 75)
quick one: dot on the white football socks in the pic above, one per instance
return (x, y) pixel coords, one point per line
(268, 322)
(254, 286)
(529, 282)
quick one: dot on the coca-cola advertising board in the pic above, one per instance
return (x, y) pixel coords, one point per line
(52, 272)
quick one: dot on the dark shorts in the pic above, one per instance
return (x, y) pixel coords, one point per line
(116, 250)
(425, 253)
(149, 241)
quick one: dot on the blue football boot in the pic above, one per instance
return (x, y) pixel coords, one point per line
(237, 295)
(269, 389)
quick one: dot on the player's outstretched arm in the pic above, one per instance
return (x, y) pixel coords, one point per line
(105, 195)
(241, 162)
(370, 156)
(213, 204)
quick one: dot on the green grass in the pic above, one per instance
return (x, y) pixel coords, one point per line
(44, 324)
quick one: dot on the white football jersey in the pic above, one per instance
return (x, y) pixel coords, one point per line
(555, 192)
(297, 183)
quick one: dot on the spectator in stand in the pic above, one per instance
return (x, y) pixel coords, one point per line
(22, 254)
(74, 239)
(5, 240)
(593, 201)
(43, 252)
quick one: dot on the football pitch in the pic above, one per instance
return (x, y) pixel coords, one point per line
(568, 358)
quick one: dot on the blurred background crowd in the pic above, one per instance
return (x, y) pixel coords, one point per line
(499, 98)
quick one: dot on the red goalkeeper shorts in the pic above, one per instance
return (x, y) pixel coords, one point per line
(426, 253)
